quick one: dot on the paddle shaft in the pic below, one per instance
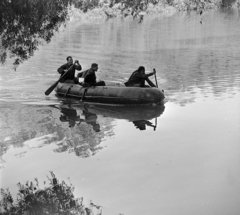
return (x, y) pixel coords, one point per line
(84, 92)
(51, 88)
(155, 77)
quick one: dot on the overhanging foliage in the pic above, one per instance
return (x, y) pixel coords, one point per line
(24, 24)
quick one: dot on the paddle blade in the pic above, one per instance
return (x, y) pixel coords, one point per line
(51, 88)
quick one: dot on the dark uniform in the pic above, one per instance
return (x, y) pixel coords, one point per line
(138, 78)
(90, 78)
(71, 74)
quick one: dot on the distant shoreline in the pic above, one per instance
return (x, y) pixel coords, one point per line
(104, 12)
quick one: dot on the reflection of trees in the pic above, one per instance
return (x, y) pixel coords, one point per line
(83, 140)
(24, 24)
(25, 122)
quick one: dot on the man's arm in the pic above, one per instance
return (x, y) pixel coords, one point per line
(77, 65)
(80, 75)
(62, 69)
(144, 76)
(150, 82)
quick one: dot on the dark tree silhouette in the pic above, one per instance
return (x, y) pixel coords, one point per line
(26, 24)
(55, 198)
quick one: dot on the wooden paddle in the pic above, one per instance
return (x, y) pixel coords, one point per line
(51, 88)
(155, 77)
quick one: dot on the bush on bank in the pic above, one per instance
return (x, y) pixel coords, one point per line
(57, 198)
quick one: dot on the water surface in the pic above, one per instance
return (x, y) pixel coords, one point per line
(185, 160)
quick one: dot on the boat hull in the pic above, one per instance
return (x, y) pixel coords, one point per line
(112, 95)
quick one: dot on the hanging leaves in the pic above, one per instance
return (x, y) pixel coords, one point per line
(26, 24)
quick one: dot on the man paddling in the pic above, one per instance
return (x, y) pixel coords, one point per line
(70, 68)
(138, 78)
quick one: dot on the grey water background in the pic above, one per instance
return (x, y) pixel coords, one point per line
(188, 165)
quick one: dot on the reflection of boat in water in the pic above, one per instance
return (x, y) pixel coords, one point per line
(139, 115)
(112, 94)
(70, 115)
(130, 113)
(90, 123)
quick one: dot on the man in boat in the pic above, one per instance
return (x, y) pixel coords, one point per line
(138, 78)
(70, 68)
(90, 77)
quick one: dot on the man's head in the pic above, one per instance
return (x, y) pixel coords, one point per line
(141, 69)
(94, 67)
(69, 60)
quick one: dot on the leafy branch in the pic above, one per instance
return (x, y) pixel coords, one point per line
(56, 198)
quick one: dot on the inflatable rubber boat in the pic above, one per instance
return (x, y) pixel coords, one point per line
(118, 95)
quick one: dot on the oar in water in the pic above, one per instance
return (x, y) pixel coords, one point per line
(155, 77)
(155, 124)
(51, 88)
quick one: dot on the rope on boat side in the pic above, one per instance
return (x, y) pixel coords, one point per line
(68, 90)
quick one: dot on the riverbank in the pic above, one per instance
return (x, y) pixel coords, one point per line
(105, 11)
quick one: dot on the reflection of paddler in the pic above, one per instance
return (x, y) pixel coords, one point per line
(91, 119)
(69, 115)
(141, 124)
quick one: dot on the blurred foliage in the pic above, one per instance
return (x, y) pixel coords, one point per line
(25, 24)
(86, 5)
(138, 6)
(229, 3)
(56, 198)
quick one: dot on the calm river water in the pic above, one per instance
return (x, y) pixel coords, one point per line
(187, 164)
